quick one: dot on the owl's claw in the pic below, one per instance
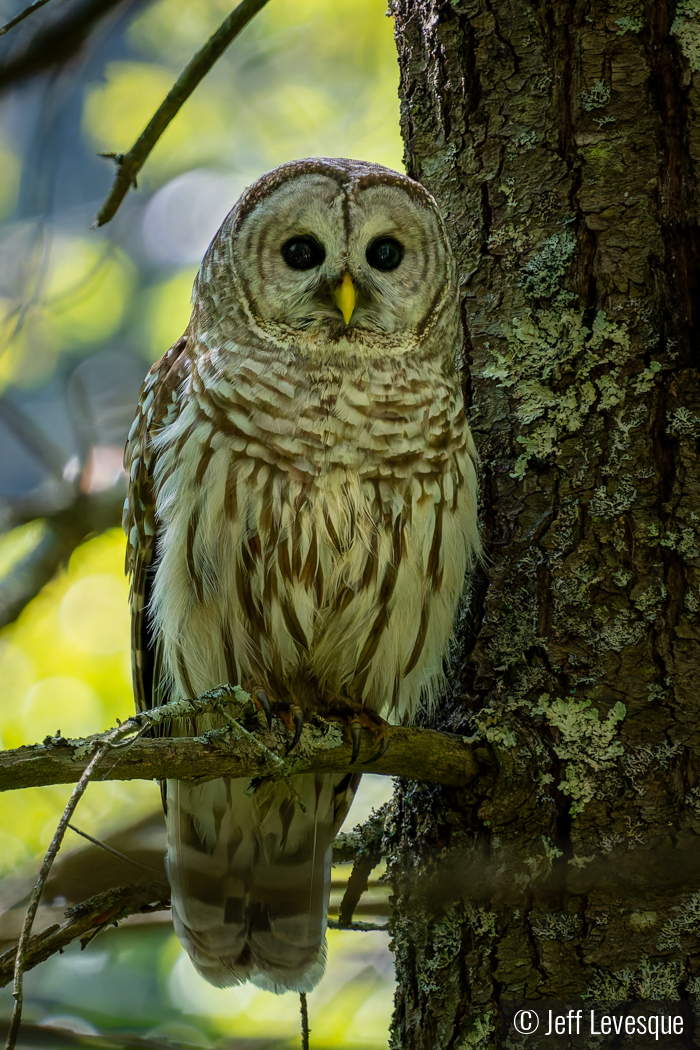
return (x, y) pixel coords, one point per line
(298, 716)
(264, 701)
(383, 745)
(356, 734)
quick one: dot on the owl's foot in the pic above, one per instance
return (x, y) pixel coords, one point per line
(290, 714)
(359, 718)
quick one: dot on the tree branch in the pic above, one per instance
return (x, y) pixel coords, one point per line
(421, 754)
(21, 16)
(57, 40)
(85, 920)
(130, 164)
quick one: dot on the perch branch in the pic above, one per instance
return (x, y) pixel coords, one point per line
(130, 164)
(325, 747)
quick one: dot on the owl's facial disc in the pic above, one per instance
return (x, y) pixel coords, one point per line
(342, 263)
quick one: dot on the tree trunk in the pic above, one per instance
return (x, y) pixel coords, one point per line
(561, 141)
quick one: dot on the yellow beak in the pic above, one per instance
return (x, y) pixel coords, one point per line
(345, 297)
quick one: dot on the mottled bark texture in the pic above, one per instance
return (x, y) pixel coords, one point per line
(562, 142)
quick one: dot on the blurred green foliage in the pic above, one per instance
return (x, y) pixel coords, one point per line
(305, 78)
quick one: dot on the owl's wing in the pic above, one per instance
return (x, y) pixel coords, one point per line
(158, 404)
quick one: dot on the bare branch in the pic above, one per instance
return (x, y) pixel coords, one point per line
(112, 850)
(304, 1022)
(368, 853)
(21, 16)
(359, 927)
(130, 164)
(88, 918)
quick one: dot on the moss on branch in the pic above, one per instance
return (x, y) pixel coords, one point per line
(324, 747)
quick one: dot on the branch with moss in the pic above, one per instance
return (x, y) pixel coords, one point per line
(244, 747)
(130, 164)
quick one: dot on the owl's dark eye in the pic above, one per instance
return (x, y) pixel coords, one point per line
(303, 253)
(385, 253)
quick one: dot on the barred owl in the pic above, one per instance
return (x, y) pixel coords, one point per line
(300, 517)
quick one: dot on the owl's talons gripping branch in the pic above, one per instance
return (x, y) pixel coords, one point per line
(290, 714)
(249, 750)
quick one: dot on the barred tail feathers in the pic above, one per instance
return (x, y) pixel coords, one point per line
(250, 876)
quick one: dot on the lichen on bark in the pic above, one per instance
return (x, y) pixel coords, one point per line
(562, 143)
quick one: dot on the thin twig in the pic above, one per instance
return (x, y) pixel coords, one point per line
(130, 164)
(113, 851)
(35, 897)
(21, 16)
(304, 1022)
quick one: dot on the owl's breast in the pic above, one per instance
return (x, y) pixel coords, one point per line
(319, 550)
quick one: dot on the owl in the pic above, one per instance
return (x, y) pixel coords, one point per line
(300, 517)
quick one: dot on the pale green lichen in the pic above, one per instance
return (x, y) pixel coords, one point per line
(650, 601)
(683, 423)
(657, 981)
(597, 97)
(541, 276)
(542, 347)
(480, 1037)
(587, 745)
(684, 541)
(556, 926)
(686, 924)
(524, 142)
(686, 29)
(515, 631)
(606, 503)
(630, 24)
(621, 632)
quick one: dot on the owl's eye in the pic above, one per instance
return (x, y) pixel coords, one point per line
(303, 253)
(385, 253)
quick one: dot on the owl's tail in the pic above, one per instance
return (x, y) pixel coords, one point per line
(250, 876)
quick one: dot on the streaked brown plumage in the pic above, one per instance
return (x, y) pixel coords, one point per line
(301, 514)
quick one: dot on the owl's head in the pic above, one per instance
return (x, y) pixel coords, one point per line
(336, 254)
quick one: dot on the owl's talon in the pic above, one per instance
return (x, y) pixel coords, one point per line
(356, 734)
(264, 701)
(383, 745)
(298, 716)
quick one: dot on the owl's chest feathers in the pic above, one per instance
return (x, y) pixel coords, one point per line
(292, 521)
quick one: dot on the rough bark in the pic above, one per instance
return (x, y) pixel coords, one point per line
(561, 140)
